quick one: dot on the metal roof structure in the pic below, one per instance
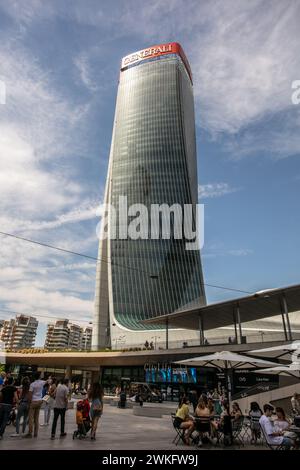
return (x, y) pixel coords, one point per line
(262, 304)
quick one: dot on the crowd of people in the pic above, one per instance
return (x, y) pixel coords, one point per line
(21, 405)
(214, 411)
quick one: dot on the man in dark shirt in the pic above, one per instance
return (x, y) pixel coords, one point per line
(8, 395)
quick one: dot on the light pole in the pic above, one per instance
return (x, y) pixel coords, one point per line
(155, 338)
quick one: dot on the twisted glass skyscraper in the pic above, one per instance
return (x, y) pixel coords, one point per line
(152, 161)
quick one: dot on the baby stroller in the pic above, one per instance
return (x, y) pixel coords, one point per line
(82, 419)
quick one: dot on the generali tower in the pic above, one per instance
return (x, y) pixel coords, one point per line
(152, 161)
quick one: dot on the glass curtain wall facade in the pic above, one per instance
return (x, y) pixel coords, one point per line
(152, 161)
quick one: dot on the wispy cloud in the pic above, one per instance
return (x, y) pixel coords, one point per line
(218, 249)
(83, 66)
(212, 190)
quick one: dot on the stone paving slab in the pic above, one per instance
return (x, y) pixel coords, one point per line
(117, 429)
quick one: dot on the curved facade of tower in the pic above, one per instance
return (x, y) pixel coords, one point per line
(152, 161)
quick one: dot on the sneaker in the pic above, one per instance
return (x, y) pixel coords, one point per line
(15, 435)
(63, 434)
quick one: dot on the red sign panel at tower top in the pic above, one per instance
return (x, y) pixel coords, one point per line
(155, 51)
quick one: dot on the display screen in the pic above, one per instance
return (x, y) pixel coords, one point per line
(171, 374)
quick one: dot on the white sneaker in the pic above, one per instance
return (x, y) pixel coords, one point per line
(15, 435)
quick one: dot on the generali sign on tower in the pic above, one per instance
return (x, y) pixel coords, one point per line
(155, 51)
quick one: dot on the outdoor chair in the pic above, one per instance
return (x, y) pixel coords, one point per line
(202, 427)
(237, 430)
(270, 446)
(179, 432)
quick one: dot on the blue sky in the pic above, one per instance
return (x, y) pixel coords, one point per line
(60, 64)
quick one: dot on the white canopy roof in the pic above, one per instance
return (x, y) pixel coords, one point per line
(227, 360)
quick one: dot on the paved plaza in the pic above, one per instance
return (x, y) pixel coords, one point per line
(118, 429)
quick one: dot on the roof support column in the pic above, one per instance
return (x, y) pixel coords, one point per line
(234, 324)
(69, 373)
(285, 318)
(96, 376)
(201, 330)
(238, 318)
(167, 333)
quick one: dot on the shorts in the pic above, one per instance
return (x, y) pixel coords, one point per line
(177, 422)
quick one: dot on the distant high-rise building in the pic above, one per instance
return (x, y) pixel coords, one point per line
(57, 336)
(19, 332)
(152, 161)
(65, 335)
(86, 342)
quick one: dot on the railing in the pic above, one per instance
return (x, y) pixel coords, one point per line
(258, 388)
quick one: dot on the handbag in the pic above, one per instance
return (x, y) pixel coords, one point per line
(97, 409)
(46, 398)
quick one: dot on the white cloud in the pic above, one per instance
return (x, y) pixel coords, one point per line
(82, 64)
(218, 249)
(40, 133)
(212, 190)
(244, 57)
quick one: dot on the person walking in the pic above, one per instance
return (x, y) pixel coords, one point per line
(8, 396)
(48, 398)
(35, 400)
(60, 407)
(23, 407)
(96, 397)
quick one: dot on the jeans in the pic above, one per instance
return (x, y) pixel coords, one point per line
(58, 412)
(5, 410)
(23, 410)
(287, 442)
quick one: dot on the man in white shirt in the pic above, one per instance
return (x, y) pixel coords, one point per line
(60, 407)
(35, 400)
(273, 437)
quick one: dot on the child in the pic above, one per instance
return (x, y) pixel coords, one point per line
(82, 418)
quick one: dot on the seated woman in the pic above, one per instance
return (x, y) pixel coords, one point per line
(282, 424)
(255, 413)
(236, 412)
(210, 406)
(183, 419)
(204, 426)
(224, 425)
(202, 409)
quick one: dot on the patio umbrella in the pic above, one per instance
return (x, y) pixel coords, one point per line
(291, 369)
(226, 360)
(284, 351)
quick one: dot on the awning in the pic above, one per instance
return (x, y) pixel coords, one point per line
(257, 306)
